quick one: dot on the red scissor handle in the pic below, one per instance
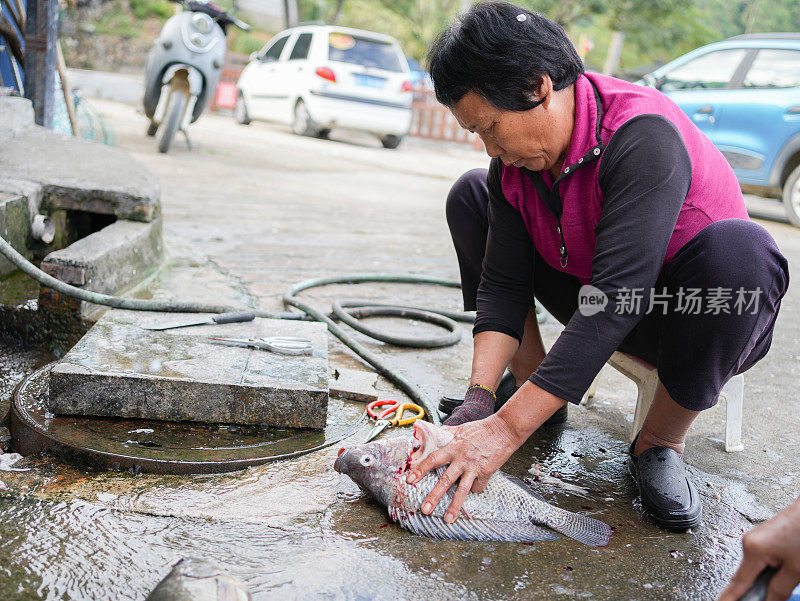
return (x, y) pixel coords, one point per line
(393, 405)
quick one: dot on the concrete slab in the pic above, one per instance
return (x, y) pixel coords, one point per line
(76, 174)
(14, 226)
(354, 385)
(109, 261)
(119, 369)
(15, 113)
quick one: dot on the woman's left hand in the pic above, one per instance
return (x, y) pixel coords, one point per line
(477, 451)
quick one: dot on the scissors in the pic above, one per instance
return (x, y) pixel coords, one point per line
(384, 418)
(283, 345)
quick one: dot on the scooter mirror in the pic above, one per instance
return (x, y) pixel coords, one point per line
(241, 24)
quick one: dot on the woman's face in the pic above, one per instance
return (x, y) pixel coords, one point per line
(537, 139)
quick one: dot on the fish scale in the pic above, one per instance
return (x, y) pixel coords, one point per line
(503, 500)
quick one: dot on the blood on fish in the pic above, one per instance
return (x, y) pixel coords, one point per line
(406, 467)
(384, 525)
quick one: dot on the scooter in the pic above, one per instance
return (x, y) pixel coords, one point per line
(183, 68)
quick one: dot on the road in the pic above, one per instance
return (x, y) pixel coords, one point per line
(268, 209)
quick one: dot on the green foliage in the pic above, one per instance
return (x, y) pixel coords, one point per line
(655, 39)
(656, 31)
(734, 17)
(117, 22)
(245, 42)
(144, 9)
(315, 10)
(414, 23)
(654, 34)
(566, 12)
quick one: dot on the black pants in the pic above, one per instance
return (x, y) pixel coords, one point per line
(696, 354)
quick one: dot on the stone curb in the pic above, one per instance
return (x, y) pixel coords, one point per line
(109, 261)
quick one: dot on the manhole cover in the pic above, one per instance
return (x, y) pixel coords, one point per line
(163, 447)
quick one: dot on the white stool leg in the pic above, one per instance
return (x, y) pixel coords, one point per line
(644, 399)
(589, 396)
(734, 395)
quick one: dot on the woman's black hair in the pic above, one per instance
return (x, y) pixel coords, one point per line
(500, 51)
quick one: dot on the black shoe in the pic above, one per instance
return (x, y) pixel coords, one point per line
(668, 494)
(505, 390)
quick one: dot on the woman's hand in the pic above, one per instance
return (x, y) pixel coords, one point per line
(477, 451)
(774, 543)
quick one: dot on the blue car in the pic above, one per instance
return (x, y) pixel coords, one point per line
(744, 94)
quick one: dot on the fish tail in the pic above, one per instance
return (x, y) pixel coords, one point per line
(586, 530)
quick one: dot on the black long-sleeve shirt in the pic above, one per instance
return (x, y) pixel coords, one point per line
(645, 173)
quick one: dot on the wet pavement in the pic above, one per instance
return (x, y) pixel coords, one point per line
(256, 209)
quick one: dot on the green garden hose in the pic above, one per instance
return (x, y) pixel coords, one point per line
(345, 311)
(374, 309)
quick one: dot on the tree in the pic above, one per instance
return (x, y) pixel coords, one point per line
(654, 30)
(425, 17)
(566, 12)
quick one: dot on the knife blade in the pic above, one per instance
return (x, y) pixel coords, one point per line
(217, 319)
(758, 590)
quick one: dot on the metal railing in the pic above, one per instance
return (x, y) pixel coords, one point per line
(433, 121)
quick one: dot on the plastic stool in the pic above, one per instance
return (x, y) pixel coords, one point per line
(646, 378)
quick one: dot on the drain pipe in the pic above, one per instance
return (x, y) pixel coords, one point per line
(43, 229)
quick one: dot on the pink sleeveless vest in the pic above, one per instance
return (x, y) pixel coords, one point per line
(714, 193)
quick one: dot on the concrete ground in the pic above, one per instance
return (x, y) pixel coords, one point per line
(256, 209)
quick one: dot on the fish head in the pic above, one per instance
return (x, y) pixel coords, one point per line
(375, 466)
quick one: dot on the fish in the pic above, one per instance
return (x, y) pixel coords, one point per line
(194, 579)
(507, 510)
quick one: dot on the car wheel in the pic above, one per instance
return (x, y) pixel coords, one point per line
(791, 196)
(303, 125)
(240, 110)
(391, 141)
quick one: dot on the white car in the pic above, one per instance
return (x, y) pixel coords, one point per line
(319, 77)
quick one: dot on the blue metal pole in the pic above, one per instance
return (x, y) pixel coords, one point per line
(41, 37)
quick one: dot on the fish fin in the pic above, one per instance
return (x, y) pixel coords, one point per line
(586, 530)
(524, 486)
(469, 529)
